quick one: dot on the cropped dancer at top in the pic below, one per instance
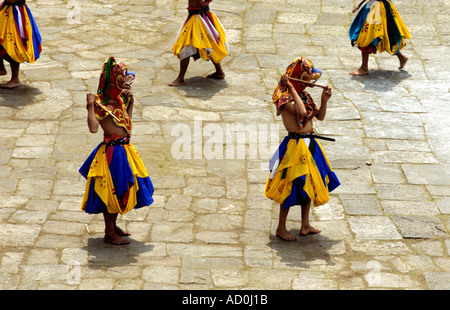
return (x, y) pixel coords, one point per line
(378, 27)
(117, 180)
(299, 170)
(20, 40)
(201, 36)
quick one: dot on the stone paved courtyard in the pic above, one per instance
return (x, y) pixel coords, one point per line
(210, 226)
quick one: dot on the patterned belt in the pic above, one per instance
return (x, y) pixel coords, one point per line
(120, 141)
(295, 135)
(198, 11)
(15, 3)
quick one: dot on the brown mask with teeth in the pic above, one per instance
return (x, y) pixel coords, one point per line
(114, 78)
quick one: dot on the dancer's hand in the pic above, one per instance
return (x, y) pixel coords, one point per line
(90, 100)
(285, 81)
(326, 94)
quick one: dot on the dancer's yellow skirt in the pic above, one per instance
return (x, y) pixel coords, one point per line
(19, 35)
(202, 33)
(379, 24)
(117, 180)
(299, 172)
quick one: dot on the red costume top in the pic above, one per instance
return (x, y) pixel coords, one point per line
(118, 108)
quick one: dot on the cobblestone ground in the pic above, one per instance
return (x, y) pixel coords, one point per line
(210, 226)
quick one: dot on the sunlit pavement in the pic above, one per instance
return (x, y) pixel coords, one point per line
(211, 227)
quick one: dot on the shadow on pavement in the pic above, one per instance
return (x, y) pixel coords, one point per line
(18, 97)
(104, 254)
(202, 87)
(306, 251)
(382, 80)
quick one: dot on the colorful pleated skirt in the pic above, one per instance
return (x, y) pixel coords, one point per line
(20, 39)
(378, 27)
(299, 171)
(201, 36)
(117, 180)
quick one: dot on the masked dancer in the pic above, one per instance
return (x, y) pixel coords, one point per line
(117, 180)
(300, 173)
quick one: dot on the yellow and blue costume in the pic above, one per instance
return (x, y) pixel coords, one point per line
(20, 39)
(299, 169)
(378, 27)
(117, 180)
(201, 36)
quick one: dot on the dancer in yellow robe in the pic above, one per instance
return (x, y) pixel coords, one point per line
(201, 36)
(300, 172)
(20, 40)
(378, 27)
(116, 179)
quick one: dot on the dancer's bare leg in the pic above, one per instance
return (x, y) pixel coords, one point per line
(2, 67)
(219, 74)
(119, 231)
(364, 69)
(14, 82)
(306, 228)
(111, 235)
(281, 229)
(402, 59)
(183, 68)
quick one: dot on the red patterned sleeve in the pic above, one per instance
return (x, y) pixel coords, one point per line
(284, 98)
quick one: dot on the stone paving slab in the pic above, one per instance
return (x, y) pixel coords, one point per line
(210, 227)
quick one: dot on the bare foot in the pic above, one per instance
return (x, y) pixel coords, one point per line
(216, 75)
(3, 72)
(284, 234)
(11, 84)
(359, 72)
(115, 239)
(403, 61)
(307, 230)
(177, 82)
(121, 232)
